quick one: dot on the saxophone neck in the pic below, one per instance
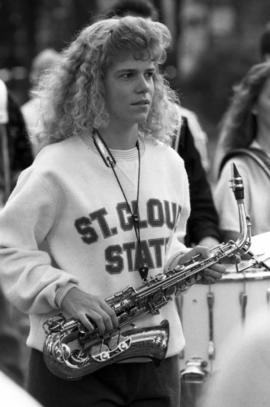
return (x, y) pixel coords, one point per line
(237, 185)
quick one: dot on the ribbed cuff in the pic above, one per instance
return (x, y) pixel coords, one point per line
(62, 291)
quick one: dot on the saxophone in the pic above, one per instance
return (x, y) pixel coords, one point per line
(70, 352)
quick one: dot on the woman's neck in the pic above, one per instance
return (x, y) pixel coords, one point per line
(120, 138)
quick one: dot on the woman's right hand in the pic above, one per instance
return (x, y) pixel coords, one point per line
(90, 310)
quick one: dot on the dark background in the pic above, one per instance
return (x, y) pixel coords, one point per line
(215, 42)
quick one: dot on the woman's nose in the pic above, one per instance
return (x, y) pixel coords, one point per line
(142, 84)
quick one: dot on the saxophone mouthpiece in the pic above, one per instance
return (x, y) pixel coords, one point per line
(237, 184)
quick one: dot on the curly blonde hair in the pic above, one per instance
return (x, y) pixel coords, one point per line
(238, 128)
(72, 96)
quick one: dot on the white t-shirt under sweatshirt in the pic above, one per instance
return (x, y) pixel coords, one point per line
(67, 224)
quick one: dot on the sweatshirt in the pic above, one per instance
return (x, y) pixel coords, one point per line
(67, 224)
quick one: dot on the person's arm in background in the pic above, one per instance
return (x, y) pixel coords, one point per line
(18, 142)
(199, 136)
(242, 379)
(13, 323)
(202, 226)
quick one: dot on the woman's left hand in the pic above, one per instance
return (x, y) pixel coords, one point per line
(207, 276)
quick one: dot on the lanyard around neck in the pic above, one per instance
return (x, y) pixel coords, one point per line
(110, 161)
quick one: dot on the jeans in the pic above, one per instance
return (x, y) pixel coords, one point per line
(122, 384)
(13, 351)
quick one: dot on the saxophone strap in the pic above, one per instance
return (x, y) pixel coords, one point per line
(256, 154)
(110, 162)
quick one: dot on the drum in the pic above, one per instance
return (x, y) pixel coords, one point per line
(210, 313)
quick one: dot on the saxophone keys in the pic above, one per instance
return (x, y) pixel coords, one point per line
(99, 349)
(65, 351)
(115, 340)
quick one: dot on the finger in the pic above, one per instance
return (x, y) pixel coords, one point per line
(193, 253)
(208, 280)
(97, 320)
(220, 268)
(107, 321)
(202, 251)
(198, 277)
(216, 268)
(103, 319)
(212, 274)
(108, 310)
(191, 281)
(85, 320)
(237, 258)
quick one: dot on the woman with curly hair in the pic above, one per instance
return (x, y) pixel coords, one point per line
(244, 140)
(98, 211)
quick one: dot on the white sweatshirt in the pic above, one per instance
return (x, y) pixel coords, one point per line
(67, 224)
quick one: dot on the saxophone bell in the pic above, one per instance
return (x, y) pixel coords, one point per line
(70, 360)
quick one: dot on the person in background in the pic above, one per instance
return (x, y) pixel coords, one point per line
(16, 151)
(242, 379)
(190, 142)
(42, 63)
(245, 140)
(100, 209)
(13, 395)
(264, 45)
(15, 156)
(198, 134)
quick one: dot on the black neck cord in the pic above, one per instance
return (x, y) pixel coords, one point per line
(110, 161)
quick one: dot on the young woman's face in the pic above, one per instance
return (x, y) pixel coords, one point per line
(262, 108)
(129, 89)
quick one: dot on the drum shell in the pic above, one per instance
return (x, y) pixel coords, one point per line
(228, 313)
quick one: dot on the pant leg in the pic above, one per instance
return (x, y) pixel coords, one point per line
(126, 384)
(104, 388)
(11, 343)
(158, 386)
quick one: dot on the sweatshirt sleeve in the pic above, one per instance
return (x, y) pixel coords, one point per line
(28, 278)
(203, 221)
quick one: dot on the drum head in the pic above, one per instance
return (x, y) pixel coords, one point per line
(260, 248)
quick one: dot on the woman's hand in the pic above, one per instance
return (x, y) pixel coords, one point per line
(90, 310)
(209, 242)
(207, 276)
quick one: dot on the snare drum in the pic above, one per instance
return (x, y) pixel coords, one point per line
(209, 313)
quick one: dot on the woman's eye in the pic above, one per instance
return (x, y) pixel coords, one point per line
(126, 75)
(149, 74)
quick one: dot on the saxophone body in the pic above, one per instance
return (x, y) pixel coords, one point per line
(70, 352)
